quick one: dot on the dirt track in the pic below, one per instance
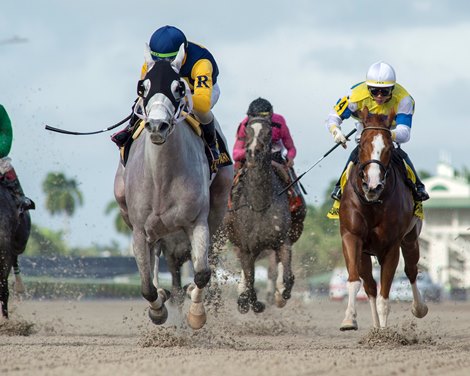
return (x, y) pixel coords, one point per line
(116, 338)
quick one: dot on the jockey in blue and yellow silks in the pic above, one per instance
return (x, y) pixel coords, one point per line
(200, 71)
(381, 95)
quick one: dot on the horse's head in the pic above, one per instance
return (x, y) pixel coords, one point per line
(375, 152)
(162, 96)
(258, 141)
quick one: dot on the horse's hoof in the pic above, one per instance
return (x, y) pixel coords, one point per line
(286, 294)
(279, 300)
(243, 307)
(158, 316)
(258, 307)
(18, 287)
(196, 316)
(420, 311)
(243, 303)
(348, 325)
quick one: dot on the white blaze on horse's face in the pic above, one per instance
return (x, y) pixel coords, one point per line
(160, 114)
(257, 130)
(374, 180)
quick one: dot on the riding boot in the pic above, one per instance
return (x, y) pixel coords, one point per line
(120, 138)
(210, 136)
(336, 193)
(419, 191)
(22, 202)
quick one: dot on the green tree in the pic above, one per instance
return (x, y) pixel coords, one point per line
(46, 242)
(62, 194)
(113, 209)
(319, 248)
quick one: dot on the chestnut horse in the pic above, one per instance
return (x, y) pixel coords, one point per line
(376, 219)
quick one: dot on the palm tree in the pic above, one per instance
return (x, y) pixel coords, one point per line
(62, 194)
(62, 197)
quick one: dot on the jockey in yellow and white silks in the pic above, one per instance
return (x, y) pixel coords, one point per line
(200, 71)
(381, 95)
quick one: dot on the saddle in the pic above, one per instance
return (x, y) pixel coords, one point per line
(224, 159)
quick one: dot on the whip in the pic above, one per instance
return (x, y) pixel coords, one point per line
(64, 131)
(317, 162)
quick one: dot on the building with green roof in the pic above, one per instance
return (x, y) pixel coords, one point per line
(445, 238)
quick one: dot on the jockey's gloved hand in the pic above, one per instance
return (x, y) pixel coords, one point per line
(338, 135)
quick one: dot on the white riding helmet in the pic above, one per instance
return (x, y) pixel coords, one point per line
(380, 74)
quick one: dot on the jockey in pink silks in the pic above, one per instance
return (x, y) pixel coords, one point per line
(281, 139)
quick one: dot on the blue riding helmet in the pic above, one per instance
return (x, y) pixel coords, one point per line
(165, 43)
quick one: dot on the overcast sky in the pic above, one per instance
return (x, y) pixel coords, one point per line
(79, 66)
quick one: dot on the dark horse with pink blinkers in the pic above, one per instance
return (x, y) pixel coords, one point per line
(376, 219)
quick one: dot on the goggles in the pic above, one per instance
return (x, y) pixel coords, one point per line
(161, 56)
(263, 114)
(384, 91)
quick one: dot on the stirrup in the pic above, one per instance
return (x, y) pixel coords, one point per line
(336, 194)
(215, 153)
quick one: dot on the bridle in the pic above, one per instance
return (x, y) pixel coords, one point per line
(384, 168)
(251, 205)
(148, 99)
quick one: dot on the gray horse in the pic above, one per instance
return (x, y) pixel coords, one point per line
(165, 187)
(259, 220)
(15, 228)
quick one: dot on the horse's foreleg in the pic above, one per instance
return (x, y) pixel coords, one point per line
(177, 293)
(4, 295)
(352, 249)
(144, 256)
(370, 286)
(285, 277)
(199, 237)
(246, 288)
(5, 267)
(387, 271)
(19, 285)
(410, 251)
(272, 277)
